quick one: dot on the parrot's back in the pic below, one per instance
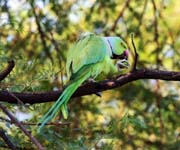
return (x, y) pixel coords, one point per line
(88, 50)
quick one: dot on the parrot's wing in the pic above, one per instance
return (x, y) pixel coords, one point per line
(88, 50)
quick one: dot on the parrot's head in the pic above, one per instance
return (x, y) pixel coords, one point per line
(118, 47)
(119, 50)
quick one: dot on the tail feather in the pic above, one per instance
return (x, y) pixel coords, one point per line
(63, 99)
(45, 117)
(64, 111)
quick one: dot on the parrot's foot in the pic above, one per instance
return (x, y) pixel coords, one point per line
(121, 64)
(91, 80)
(98, 94)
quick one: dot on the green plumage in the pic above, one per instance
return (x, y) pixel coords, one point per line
(86, 59)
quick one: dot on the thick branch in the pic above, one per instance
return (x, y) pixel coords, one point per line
(91, 88)
(7, 70)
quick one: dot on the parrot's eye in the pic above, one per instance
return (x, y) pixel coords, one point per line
(122, 45)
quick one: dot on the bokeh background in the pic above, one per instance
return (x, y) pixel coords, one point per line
(143, 115)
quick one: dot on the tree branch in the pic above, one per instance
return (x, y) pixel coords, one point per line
(7, 70)
(35, 124)
(7, 140)
(134, 67)
(120, 15)
(40, 30)
(143, 12)
(18, 124)
(91, 88)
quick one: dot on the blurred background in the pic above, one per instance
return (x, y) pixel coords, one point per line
(143, 115)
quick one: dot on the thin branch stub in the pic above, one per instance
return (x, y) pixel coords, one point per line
(7, 70)
(134, 68)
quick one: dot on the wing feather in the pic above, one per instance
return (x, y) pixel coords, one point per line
(88, 50)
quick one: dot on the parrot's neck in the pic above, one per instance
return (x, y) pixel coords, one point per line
(109, 47)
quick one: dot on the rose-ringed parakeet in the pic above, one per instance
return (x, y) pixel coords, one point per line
(89, 56)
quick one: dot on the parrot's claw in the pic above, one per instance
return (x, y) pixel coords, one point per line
(98, 94)
(91, 80)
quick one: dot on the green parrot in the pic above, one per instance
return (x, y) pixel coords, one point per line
(90, 56)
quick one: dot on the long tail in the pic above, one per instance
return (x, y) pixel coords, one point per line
(61, 102)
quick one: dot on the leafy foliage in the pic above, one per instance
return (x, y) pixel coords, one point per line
(144, 114)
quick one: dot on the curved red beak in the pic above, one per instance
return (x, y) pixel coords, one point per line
(126, 54)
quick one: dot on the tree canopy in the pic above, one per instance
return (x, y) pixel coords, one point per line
(35, 36)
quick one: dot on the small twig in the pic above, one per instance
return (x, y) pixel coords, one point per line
(170, 32)
(18, 100)
(18, 124)
(156, 33)
(59, 56)
(143, 12)
(35, 124)
(7, 140)
(48, 124)
(7, 70)
(134, 68)
(42, 34)
(158, 99)
(120, 15)
(4, 119)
